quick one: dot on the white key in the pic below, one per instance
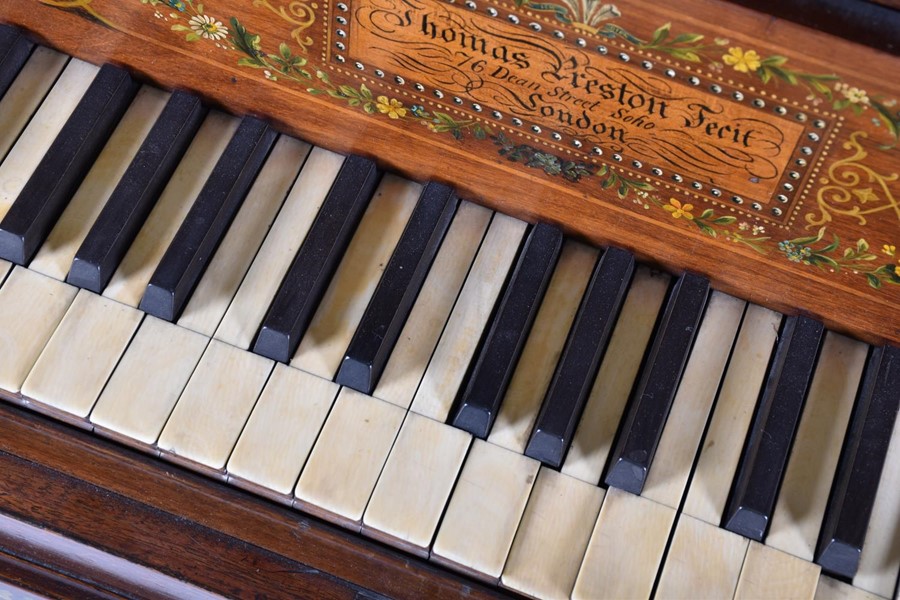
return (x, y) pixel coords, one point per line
(349, 455)
(552, 536)
(42, 130)
(147, 382)
(703, 562)
(880, 559)
(469, 318)
(542, 350)
(213, 294)
(485, 509)
(322, 348)
(597, 429)
(771, 573)
(247, 309)
(82, 353)
(832, 589)
(31, 307)
(282, 429)
(419, 474)
(56, 255)
(214, 406)
(800, 509)
(722, 445)
(680, 441)
(5, 267)
(420, 335)
(626, 547)
(27, 92)
(134, 272)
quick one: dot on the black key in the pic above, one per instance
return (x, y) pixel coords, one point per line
(403, 277)
(577, 368)
(64, 166)
(207, 222)
(766, 453)
(136, 194)
(15, 49)
(500, 352)
(308, 277)
(643, 425)
(859, 470)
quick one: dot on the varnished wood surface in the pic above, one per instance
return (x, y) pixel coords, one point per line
(66, 489)
(841, 297)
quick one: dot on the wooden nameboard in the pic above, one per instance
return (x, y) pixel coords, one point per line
(699, 135)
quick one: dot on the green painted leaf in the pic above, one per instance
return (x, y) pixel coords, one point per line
(661, 33)
(774, 61)
(724, 220)
(250, 62)
(687, 38)
(707, 229)
(706, 214)
(874, 281)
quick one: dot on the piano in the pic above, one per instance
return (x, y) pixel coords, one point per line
(442, 298)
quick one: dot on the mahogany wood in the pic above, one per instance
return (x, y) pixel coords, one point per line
(63, 488)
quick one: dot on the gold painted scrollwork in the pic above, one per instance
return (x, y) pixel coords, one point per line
(84, 5)
(300, 13)
(853, 189)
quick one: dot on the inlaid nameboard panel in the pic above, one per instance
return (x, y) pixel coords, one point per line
(698, 134)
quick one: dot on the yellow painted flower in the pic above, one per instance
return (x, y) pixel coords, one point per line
(393, 108)
(678, 210)
(745, 62)
(897, 270)
(889, 249)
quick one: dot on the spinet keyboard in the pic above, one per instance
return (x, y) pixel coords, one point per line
(684, 396)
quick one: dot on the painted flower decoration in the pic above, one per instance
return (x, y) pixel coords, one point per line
(852, 94)
(794, 252)
(679, 210)
(889, 249)
(897, 270)
(745, 62)
(393, 108)
(207, 27)
(177, 5)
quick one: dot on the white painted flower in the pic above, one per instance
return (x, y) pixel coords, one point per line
(855, 95)
(758, 229)
(207, 27)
